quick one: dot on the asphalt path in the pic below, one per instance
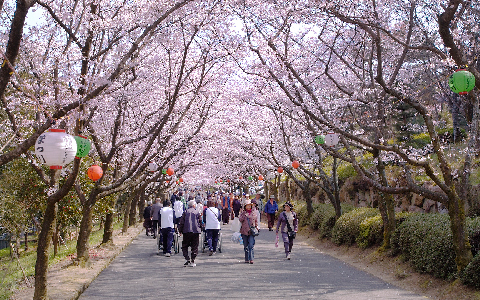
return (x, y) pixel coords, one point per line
(139, 273)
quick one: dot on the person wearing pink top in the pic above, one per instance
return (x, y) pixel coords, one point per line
(248, 218)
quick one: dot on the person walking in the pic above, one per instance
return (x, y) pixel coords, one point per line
(226, 208)
(190, 226)
(166, 221)
(271, 207)
(212, 219)
(248, 219)
(155, 215)
(288, 225)
(236, 206)
(147, 217)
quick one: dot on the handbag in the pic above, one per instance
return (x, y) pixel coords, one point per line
(291, 234)
(253, 229)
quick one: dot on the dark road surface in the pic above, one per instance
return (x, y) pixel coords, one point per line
(139, 273)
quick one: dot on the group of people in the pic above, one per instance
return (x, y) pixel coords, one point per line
(208, 216)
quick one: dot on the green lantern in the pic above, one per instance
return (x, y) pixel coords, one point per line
(320, 139)
(164, 171)
(83, 146)
(250, 178)
(461, 82)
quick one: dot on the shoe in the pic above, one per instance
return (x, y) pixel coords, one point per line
(167, 254)
(192, 264)
(214, 252)
(288, 256)
(210, 253)
(186, 264)
(246, 261)
(251, 262)
(154, 237)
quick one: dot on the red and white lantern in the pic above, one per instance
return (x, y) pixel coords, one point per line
(152, 167)
(55, 148)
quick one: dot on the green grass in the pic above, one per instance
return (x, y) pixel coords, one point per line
(11, 273)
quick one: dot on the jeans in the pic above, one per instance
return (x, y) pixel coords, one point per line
(167, 234)
(248, 243)
(212, 239)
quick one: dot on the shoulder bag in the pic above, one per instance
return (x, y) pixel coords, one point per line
(253, 229)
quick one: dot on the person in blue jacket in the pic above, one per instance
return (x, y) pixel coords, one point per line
(270, 208)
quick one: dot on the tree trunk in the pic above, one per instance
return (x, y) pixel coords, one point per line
(84, 234)
(461, 244)
(386, 206)
(336, 190)
(108, 229)
(126, 212)
(26, 240)
(132, 217)
(43, 244)
(308, 198)
(287, 190)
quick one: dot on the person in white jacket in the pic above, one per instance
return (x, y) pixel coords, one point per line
(167, 218)
(212, 218)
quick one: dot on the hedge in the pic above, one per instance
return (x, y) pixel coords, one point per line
(471, 275)
(371, 229)
(426, 240)
(347, 227)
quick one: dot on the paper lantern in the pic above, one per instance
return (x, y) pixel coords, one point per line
(331, 139)
(180, 179)
(152, 167)
(95, 172)
(461, 82)
(83, 146)
(167, 181)
(320, 139)
(280, 170)
(55, 148)
(250, 178)
(221, 181)
(240, 177)
(260, 177)
(295, 164)
(216, 182)
(170, 172)
(228, 180)
(164, 171)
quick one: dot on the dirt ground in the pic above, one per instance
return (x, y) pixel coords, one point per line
(68, 281)
(391, 269)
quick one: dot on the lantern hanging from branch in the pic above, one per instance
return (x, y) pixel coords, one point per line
(95, 172)
(320, 139)
(280, 170)
(152, 167)
(180, 179)
(170, 172)
(55, 148)
(295, 164)
(260, 177)
(228, 180)
(461, 82)
(250, 178)
(240, 177)
(83, 146)
(331, 139)
(164, 171)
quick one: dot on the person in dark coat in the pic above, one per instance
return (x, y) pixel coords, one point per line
(190, 226)
(147, 217)
(236, 206)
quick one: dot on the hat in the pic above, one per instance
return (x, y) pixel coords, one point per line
(191, 203)
(289, 204)
(149, 202)
(247, 202)
(272, 196)
(254, 201)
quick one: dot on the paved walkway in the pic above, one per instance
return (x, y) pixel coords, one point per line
(139, 273)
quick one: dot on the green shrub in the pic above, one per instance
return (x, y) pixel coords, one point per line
(371, 229)
(347, 227)
(473, 227)
(471, 275)
(321, 212)
(426, 240)
(301, 210)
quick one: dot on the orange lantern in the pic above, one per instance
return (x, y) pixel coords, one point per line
(221, 181)
(167, 181)
(280, 170)
(170, 172)
(240, 177)
(295, 164)
(95, 172)
(228, 180)
(181, 179)
(260, 177)
(216, 182)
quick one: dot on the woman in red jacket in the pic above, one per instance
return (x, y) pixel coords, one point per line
(248, 218)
